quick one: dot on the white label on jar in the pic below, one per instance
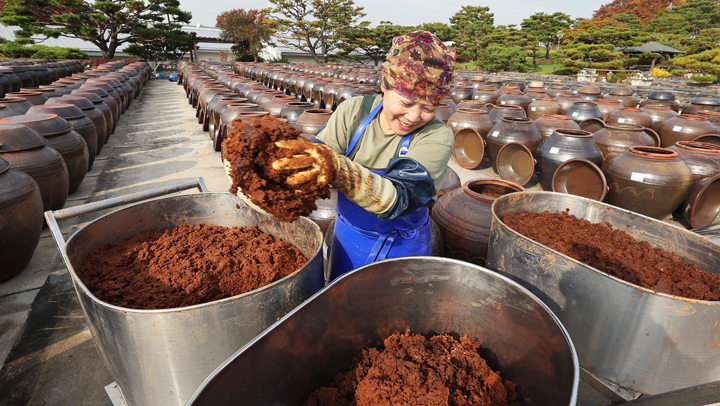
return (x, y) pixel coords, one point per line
(532, 108)
(621, 120)
(637, 177)
(575, 114)
(677, 128)
(554, 150)
(454, 124)
(495, 133)
(502, 101)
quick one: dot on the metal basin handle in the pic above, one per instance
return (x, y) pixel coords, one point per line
(53, 216)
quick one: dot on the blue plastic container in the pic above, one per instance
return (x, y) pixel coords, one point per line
(172, 78)
(160, 76)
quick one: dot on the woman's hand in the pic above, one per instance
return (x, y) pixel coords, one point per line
(318, 158)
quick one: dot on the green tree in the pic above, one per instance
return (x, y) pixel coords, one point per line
(160, 42)
(509, 36)
(248, 30)
(700, 14)
(498, 57)
(443, 31)
(706, 61)
(547, 28)
(13, 49)
(315, 26)
(470, 24)
(105, 23)
(705, 40)
(600, 56)
(371, 43)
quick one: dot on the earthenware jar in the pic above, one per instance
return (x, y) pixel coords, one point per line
(312, 120)
(25, 150)
(547, 124)
(330, 93)
(702, 205)
(648, 180)
(451, 181)
(518, 84)
(21, 211)
(629, 115)
(94, 114)
(511, 129)
(277, 103)
(47, 91)
(495, 82)
(542, 106)
(474, 104)
(702, 158)
(444, 112)
(624, 95)
(659, 114)
(514, 98)
(562, 146)
(684, 127)
(325, 213)
(558, 90)
(465, 117)
(61, 137)
(589, 93)
(18, 104)
(79, 122)
(99, 104)
(469, 148)
(608, 106)
(661, 98)
(106, 98)
(293, 110)
(6, 112)
(5, 84)
(711, 116)
(566, 101)
(459, 93)
(583, 110)
(702, 104)
(486, 93)
(498, 112)
(464, 218)
(616, 139)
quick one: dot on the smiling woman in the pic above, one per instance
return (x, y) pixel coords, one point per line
(390, 154)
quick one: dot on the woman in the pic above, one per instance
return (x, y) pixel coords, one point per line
(386, 155)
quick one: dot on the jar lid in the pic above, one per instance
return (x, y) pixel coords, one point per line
(78, 101)
(17, 137)
(661, 95)
(103, 85)
(66, 111)
(47, 125)
(706, 101)
(4, 166)
(88, 95)
(91, 89)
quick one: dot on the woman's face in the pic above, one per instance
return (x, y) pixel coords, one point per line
(401, 115)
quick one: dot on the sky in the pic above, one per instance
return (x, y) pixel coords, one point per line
(413, 12)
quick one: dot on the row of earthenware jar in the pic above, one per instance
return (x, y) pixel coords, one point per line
(303, 95)
(650, 159)
(49, 137)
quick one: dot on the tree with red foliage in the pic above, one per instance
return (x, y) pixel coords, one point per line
(645, 10)
(249, 30)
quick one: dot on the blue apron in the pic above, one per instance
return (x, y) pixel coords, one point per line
(361, 238)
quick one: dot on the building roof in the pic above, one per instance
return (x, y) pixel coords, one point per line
(651, 46)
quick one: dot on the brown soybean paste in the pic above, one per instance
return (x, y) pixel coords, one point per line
(250, 149)
(412, 370)
(187, 265)
(616, 253)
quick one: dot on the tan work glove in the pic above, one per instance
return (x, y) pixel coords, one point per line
(366, 189)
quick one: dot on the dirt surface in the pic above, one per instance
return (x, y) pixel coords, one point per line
(412, 370)
(251, 150)
(187, 265)
(616, 253)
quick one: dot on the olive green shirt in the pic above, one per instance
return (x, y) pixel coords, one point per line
(430, 145)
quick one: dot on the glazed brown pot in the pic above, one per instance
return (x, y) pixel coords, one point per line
(514, 98)
(276, 104)
(541, 107)
(699, 104)
(511, 129)
(583, 110)
(61, 137)
(293, 110)
(21, 211)
(107, 99)
(473, 104)
(262, 99)
(17, 104)
(26, 151)
(558, 90)
(508, 89)
(312, 120)
(624, 95)
(216, 113)
(566, 101)
(34, 98)
(608, 106)
(6, 112)
(661, 98)
(459, 93)
(684, 127)
(497, 113)
(486, 93)
(217, 99)
(95, 115)
(648, 180)
(444, 112)
(466, 117)
(711, 116)
(617, 139)
(702, 205)
(79, 122)
(561, 146)
(628, 115)
(659, 114)
(702, 158)
(547, 124)
(464, 218)
(469, 148)
(451, 181)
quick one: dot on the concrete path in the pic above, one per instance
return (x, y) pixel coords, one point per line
(46, 351)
